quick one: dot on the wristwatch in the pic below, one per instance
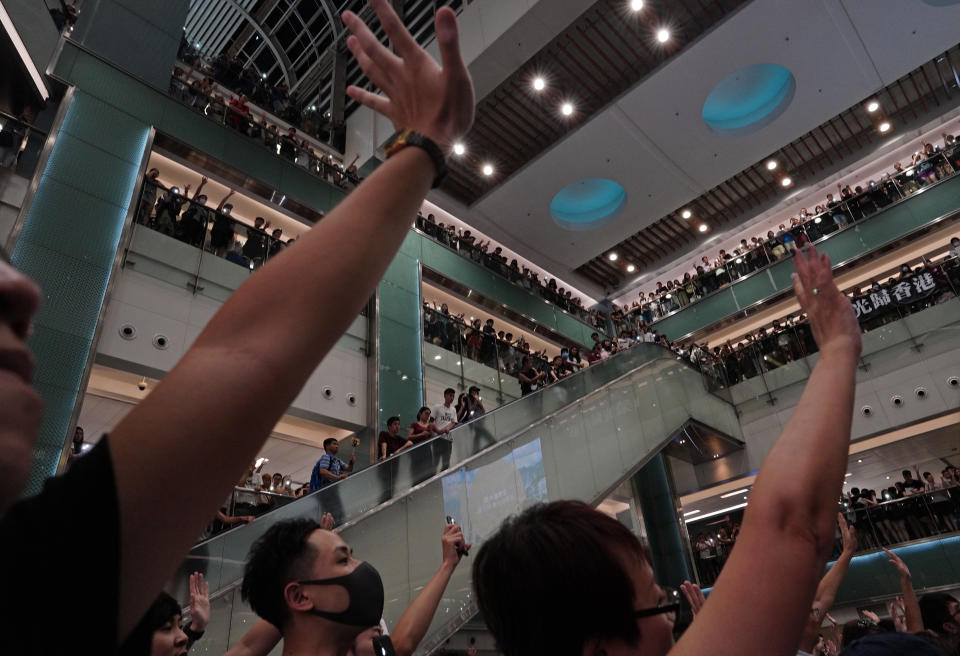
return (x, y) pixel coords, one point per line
(410, 138)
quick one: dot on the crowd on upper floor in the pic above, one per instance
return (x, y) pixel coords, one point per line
(491, 256)
(851, 204)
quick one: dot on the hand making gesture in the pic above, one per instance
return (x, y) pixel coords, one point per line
(418, 94)
(831, 316)
(199, 603)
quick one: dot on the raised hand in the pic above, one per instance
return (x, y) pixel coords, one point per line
(901, 566)
(326, 522)
(419, 94)
(454, 548)
(199, 602)
(694, 596)
(847, 533)
(829, 312)
(897, 614)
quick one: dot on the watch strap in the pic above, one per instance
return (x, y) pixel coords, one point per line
(411, 138)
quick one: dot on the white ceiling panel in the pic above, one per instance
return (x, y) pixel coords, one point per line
(654, 142)
(898, 35)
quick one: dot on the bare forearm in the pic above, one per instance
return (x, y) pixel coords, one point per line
(416, 619)
(304, 299)
(911, 606)
(801, 477)
(830, 583)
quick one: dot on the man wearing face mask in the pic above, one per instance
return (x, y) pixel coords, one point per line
(304, 581)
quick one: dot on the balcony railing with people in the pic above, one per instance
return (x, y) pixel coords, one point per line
(789, 339)
(851, 208)
(465, 244)
(910, 510)
(237, 115)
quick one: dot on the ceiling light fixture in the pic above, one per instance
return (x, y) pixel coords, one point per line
(873, 106)
(692, 512)
(703, 227)
(631, 268)
(663, 35)
(686, 214)
(566, 109)
(459, 148)
(636, 5)
(734, 493)
(772, 165)
(539, 84)
(717, 512)
(612, 257)
(884, 127)
(786, 182)
(488, 170)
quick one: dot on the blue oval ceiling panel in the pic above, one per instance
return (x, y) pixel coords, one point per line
(749, 99)
(588, 204)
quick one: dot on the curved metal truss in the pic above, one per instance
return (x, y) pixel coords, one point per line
(295, 41)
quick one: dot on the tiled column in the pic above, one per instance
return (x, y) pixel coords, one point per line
(655, 492)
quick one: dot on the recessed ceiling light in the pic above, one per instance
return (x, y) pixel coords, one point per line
(663, 35)
(859, 459)
(873, 106)
(631, 268)
(636, 5)
(437, 357)
(772, 165)
(566, 109)
(703, 227)
(539, 84)
(786, 182)
(488, 170)
(848, 475)
(612, 257)
(459, 148)
(884, 127)
(686, 214)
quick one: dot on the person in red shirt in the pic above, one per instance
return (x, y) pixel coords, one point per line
(389, 442)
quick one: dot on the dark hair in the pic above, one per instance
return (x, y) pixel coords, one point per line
(420, 411)
(163, 609)
(449, 390)
(473, 388)
(935, 610)
(906, 473)
(277, 557)
(525, 572)
(392, 419)
(327, 442)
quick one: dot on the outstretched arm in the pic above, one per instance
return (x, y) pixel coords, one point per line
(182, 426)
(911, 605)
(203, 181)
(416, 619)
(788, 526)
(224, 201)
(829, 584)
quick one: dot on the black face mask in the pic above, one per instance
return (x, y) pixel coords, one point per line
(366, 597)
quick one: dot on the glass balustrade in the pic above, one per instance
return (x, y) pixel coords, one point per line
(20, 144)
(534, 448)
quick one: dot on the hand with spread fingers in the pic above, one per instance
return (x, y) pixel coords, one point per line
(436, 100)
(830, 313)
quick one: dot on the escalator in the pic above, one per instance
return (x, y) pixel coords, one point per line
(577, 439)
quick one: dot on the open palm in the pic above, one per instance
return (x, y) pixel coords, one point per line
(419, 94)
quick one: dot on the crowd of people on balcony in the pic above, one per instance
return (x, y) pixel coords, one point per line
(930, 164)
(176, 213)
(491, 256)
(244, 81)
(789, 338)
(917, 507)
(203, 94)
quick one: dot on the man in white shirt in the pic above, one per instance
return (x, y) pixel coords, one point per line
(444, 414)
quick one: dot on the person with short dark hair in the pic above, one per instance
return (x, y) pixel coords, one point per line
(530, 378)
(563, 578)
(470, 405)
(159, 632)
(445, 414)
(330, 468)
(941, 614)
(389, 441)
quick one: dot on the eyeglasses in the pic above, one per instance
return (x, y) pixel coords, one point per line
(671, 604)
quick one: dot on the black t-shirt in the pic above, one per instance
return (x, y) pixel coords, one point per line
(54, 602)
(526, 388)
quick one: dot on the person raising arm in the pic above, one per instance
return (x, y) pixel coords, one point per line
(211, 413)
(787, 529)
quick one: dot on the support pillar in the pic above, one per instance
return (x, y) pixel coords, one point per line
(654, 488)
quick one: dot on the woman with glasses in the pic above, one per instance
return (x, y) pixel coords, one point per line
(563, 578)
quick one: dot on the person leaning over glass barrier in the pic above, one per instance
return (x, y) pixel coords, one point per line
(211, 413)
(562, 578)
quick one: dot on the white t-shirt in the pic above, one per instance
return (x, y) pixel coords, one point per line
(649, 338)
(443, 416)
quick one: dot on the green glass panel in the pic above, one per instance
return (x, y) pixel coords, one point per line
(400, 306)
